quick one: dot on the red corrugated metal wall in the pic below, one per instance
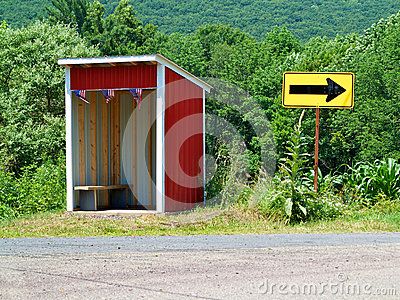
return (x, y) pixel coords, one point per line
(183, 142)
(118, 77)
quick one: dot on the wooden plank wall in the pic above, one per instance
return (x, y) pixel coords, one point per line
(104, 144)
(81, 141)
(99, 145)
(115, 140)
(93, 138)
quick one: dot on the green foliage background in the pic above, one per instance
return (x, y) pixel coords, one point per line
(32, 97)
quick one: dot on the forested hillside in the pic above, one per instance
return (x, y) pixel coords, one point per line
(305, 18)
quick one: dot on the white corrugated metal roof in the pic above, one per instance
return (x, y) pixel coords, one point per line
(113, 60)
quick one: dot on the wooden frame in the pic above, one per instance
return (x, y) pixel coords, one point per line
(69, 126)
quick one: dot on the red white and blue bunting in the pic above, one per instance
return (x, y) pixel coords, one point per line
(137, 96)
(109, 94)
(81, 94)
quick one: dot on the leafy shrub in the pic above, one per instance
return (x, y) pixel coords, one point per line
(37, 190)
(6, 212)
(325, 206)
(8, 194)
(385, 205)
(272, 199)
(42, 189)
(326, 183)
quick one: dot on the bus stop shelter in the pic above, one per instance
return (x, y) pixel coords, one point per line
(135, 134)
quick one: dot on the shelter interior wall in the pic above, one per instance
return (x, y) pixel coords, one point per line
(114, 143)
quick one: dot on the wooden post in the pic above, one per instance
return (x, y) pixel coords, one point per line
(69, 128)
(93, 138)
(104, 144)
(82, 143)
(316, 149)
(115, 139)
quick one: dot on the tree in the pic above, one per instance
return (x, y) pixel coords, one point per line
(213, 35)
(32, 91)
(124, 32)
(3, 25)
(153, 40)
(185, 50)
(372, 130)
(93, 26)
(69, 12)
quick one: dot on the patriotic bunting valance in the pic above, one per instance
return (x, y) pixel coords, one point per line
(137, 95)
(109, 94)
(81, 94)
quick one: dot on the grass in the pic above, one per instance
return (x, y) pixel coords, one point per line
(235, 220)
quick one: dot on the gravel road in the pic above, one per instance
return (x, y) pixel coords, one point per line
(295, 266)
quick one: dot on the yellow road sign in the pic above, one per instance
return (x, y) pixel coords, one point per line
(309, 90)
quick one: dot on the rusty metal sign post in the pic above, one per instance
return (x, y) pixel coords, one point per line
(316, 90)
(316, 149)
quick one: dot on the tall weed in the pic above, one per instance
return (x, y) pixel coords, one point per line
(290, 196)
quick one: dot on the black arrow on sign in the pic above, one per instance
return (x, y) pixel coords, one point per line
(332, 90)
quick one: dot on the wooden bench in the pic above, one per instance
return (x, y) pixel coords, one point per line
(89, 194)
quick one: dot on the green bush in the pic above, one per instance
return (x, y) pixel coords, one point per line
(42, 189)
(326, 206)
(8, 194)
(6, 212)
(272, 199)
(38, 189)
(385, 205)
